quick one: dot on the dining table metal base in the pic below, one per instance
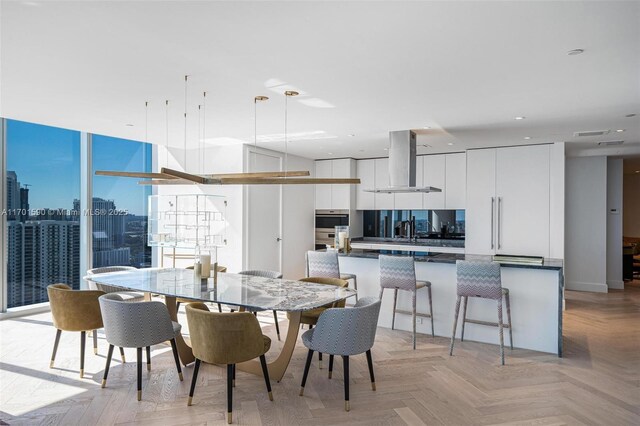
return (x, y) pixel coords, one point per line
(277, 367)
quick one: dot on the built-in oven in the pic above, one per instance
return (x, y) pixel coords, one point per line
(326, 221)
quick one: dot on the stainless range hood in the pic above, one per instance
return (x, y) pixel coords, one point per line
(402, 165)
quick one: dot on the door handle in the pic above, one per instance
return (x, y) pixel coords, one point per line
(278, 239)
(493, 206)
(499, 222)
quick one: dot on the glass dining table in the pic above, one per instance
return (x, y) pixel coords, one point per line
(249, 293)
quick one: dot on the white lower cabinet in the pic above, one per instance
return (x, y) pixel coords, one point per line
(507, 202)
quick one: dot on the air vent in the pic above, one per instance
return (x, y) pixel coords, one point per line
(609, 143)
(592, 133)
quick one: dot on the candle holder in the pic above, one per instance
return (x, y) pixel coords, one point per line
(341, 238)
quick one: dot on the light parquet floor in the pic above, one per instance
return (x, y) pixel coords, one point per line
(596, 383)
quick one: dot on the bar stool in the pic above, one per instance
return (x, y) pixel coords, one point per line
(399, 273)
(325, 264)
(481, 279)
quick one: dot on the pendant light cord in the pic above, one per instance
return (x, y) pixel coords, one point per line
(166, 122)
(204, 128)
(286, 149)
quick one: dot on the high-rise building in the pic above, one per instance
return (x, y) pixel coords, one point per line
(24, 204)
(13, 193)
(41, 253)
(108, 233)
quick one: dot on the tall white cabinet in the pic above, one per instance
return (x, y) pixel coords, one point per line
(507, 203)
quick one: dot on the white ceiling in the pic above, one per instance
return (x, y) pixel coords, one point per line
(464, 68)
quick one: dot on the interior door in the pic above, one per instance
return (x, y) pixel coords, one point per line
(522, 188)
(264, 217)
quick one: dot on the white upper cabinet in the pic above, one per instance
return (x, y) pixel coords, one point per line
(507, 208)
(434, 175)
(455, 181)
(323, 192)
(412, 201)
(522, 190)
(343, 195)
(383, 201)
(338, 196)
(366, 172)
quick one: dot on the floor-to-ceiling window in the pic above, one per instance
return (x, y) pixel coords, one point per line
(120, 203)
(43, 229)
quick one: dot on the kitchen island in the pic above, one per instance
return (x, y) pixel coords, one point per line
(536, 292)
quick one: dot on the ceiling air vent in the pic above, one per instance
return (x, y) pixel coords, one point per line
(609, 143)
(591, 133)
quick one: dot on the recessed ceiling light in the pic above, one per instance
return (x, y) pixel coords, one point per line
(129, 125)
(637, 171)
(330, 153)
(620, 130)
(630, 115)
(520, 117)
(426, 127)
(450, 143)
(575, 52)
(527, 138)
(351, 135)
(386, 149)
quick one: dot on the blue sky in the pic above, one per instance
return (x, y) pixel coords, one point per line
(48, 158)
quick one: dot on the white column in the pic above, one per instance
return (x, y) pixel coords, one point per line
(3, 217)
(86, 189)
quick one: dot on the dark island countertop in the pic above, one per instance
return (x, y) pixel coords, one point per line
(551, 264)
(457, 242)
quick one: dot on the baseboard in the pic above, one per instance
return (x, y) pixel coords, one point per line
(615, 284)
(592, 287)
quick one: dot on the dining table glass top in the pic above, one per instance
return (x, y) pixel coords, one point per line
(246, 291)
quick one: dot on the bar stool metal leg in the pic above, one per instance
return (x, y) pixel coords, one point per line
(413, 314)
(455, 324)
(345, 362)
(122, 355)
(501, 330)
(395, 302)
(465, 301)
(194, 379)
(95, 342)
(330, 366)
(106, 368)
(139, 365)
(506, 296)
(433, 332)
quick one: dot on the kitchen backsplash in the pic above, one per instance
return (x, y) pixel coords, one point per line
(428, 223)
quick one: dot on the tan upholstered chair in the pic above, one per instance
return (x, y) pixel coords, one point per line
(311, 316)
(75, 310)
(226, 338)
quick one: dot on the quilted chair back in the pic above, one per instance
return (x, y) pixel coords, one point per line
(104, 270)
(348, 331)
(135, 324)
(261, 273)
(323, 264)
(479, 279)
(397, 272)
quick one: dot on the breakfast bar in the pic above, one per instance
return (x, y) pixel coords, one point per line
(536, 293)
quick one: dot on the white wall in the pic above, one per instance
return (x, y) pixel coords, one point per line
(614, 223)
(585, 224)
(631, 206)
(557, 200)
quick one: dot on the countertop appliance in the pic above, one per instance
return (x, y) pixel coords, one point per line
(326, 222)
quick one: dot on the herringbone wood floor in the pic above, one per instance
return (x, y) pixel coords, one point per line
(598, 381)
